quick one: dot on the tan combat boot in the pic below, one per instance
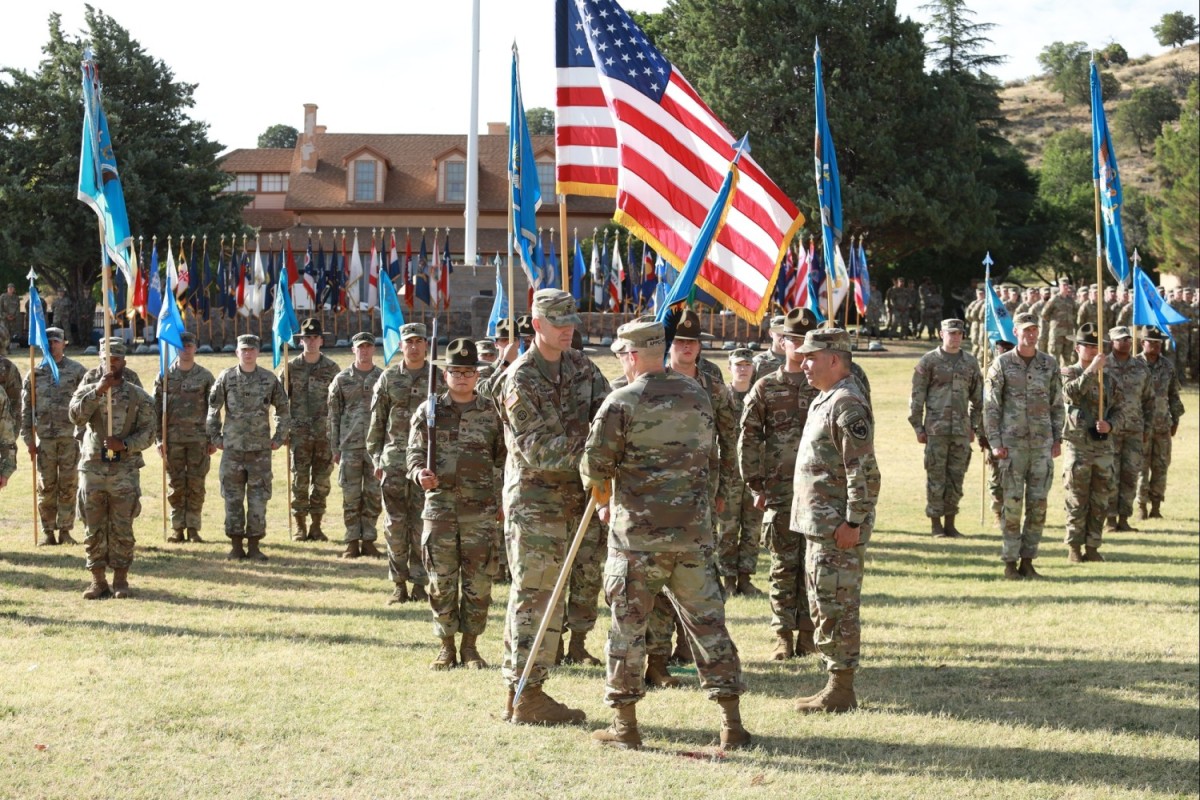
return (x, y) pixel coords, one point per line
(1073, 554)
(784, 648)
(48, 540)
(745, 587)
(353, 549)
(315, 534)
(1011, 573)
(733, 735)
(952, 531)
(1092, 553)
(935, 527)
(1027, 571)
(1123, 525)
(99, 586)
(399, 594)
(805, 646)
(446, 657)
(1155, 513)
(468, 653)
(577, 653)
(623, 732)
(252, 550)
(369, 549)
(193, 535)
(837, 696)
(120, 584)
(418, 595)
(301, 532)
(535, 707)
(508, 705)
(236, 553)
(64, 535)
(657, 675)
(176, 536)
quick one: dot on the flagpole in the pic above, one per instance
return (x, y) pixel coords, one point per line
(287, 442)
(1100, 292)
(512, 298)
(1133, 298)
(562, 226)
(987, 307)
(106, 279)
(165, 384)
(33, 425)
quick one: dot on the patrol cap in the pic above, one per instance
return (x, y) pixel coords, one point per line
(12, 286)
(525, 325)
(688, 326)
(1119, 332)
(638, 334)
(1088, 335)
(1024, 320)
(556, 307)
(113, 347)
(460, 353)
(187, 337)
(777, 323)
(950, 325)
(361, 338)
(742, 355)
(1152, 334)
(248, 341)
(413, 330)
(55, 335)
(486, 347)
(1064, 281)
(311, 327)
(825, 339)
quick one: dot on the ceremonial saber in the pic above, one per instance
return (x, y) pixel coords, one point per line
(555, 595)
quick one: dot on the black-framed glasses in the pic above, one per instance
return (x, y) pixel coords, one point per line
(462, 372)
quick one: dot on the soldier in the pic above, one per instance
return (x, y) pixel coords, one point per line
(1124, 315)
(398, 392)
(108, 482)
(1060, 313)
(188, 450)
(1023, 417)
(8, 440)
(974, 318)
(834, 492)
(242, 395)
(913, 298)
(655, 440)
(896, 301)
(349, 416)
(1111, 306)
(1133, 379)
(488, 352)
(1088, 466)
(771, 425)
(995, 486)
(945, 411)
(458, 538)
(741, 523)
(546, 400)
(769, 360)
(931, 307)
(10, 386)
(1088, 301)
(10, 313)
(306, 379)
(874, 315)
(1179, 352)
(54, 445)
(64, 313)
(1160, 428)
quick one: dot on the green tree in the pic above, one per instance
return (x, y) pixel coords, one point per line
(1067, 67)
(1067, 199)
(168, 165)
(1143, 114)
(1176, 29)
(958, 43)
(541, 121)
(1114, 54)
(1176, 233)
(279, 135)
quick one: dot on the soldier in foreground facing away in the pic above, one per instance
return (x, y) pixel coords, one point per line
(108, 472)
(834, 492)
(188, 450)
(1133, 378)
(655, 441)
(1168, 408)
(349, 416)
(741, 523)
(239, 425)
(458, 538)
(306, 380)
(946, 410)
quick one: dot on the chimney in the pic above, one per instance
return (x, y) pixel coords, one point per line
(498, 129)
(308, 139)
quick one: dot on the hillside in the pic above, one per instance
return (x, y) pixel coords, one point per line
(1035, 112)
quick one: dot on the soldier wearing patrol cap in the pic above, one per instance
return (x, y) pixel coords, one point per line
(188, 451)
(239, 425)
(1133, 378)
(488, 352)
(398, 392)
(1059, 315)
(10, 314)
(741, 523)
(834, 492)
(55, 445)
(349, 415)
(769, 360)
(946, 413)
(1161, 427)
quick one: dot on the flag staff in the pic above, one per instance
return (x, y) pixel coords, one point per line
(562, 226)
(1133, 296)
(33, 455)
(987, 307)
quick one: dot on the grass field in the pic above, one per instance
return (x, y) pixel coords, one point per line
(294, 679)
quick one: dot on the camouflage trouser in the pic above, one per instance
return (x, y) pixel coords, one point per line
(946, 462)
(1087, 484)
(898, 324)
(835, 579)
(187, 467)
(312, 464)
(1061, 347)
(1127, 465)
(738, 531)
(246, 486)
(1156, 458)
(58, 481)
(995, 485)
(660, 629)
(1026, 476)
(402, 504)
(460, 557)
(362, 496)
(108, 503)
(931, 322)
(632, 583)
(787, 587)
(583, 590)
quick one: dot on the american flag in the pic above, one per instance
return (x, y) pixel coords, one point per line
(631, 126)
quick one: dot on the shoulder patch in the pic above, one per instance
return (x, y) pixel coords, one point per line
(858, 429)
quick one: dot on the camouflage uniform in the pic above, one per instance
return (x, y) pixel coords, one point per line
(1178, 352)
(458, 539)
(1035, 308)
(931, 310)
(1156, 442)
(1023, 411)
(1133, 379)
(656, 440)
(874, 315)
(1059, 312)
(10, 387)
(946, 405)
(188, 459)
(741, 524)
(109, 491)
(10, 313)
(246, 440)
(896, 301)
(1087, 313)
(307, 387)
(57, 447)
(349, 416)
(765, 363)
(8, 438)
(1088, 470)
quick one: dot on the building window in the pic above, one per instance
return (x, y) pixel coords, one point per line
(454, 175)
(546, 177)
(276, 182)
(247, 183)
(364, 181)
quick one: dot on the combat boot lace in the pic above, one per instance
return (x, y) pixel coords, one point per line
(64, 535)
(369, 549)
(252, 550)
(623, 732)
(315, 534)
(236, 553)
(176, 536)
(784, 646)
(399, 594)
(577, 653)
(836, 698)
(657, 675)
(535, 707)
(805, 646)
(120, 584)
(1092, 554)
(1073, 554)
(468, 654)
(745, 587)
(733, 735)
(353, 549)
(301, 532)
(99, 586)
(446, 658)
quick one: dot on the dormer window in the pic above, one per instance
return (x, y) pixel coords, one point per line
(451, 169)
(365, 178)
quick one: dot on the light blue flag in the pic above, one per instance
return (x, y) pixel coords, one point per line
(170, 331)
(1104, 172)
(577, 270)
(37, 328)
(1149, 308)
(99, 180)
(523, 178)
(153, 289)
(998, 322)
(285, 325)
(499, 306)
(391, 316)
(829, 186)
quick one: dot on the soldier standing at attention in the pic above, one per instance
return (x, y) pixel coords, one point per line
(10, 313)
(769, 360)
(946, 410)
(834, 492)
(1088, 304)
(239, 425)
(1023, 416)
(546, 400)
(1133, 379)
(896, 301)
(1035, 308)
(655, 440)
(741, 523)
(349, 415)
(306, 381)
(400, 389)
(1088, 470)
(10, 383)
(8, 441)
(1160, 428)
(188, 452)
(56, 447)
(771, 427)
(458, 538)
(995, 486)
(108, 482)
